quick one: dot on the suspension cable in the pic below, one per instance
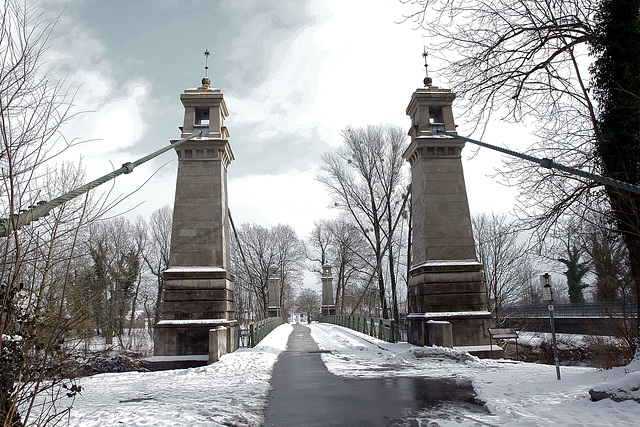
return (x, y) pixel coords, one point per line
(7, 225)
(244, 259)
(550, 164)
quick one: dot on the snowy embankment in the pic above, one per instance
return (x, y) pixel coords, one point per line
(514, 392)
(233, 391)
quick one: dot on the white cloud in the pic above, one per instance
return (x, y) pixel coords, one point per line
(289, 92)
(75, 47)
(116, 123)
(293, 198)
(110, 112)
(373, 66)
(119, 123)
(351, 65)
(95, 88)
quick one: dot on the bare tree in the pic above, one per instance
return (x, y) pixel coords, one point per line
(613, 282)
(365, 177)
(37, 268)
(339, 243)
(116, 249)
(136, 259)
(531, 294)
(608, 256)
(309, 302)
(262, 248)
(36, 261)
(570, 66)
(254, 240)
(391, 175)
(503, 257)
(318, 243)
(157, 250)
(247, 299)
(348, 254)
(290, 256)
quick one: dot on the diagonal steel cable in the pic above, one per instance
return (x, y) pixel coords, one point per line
(7, 225)
(550, 164)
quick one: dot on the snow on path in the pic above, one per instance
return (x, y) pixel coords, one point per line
(233, 391)
(516, 393)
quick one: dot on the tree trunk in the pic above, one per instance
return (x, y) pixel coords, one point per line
(632, 242)
(392, 278)
(133, 305)
(617, 87)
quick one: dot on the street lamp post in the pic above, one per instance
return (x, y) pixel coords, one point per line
(547, 295)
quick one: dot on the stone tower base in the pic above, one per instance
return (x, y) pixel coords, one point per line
(327, 310)
(467, 329)
(195, 301)
(192, 337)
(451, 291)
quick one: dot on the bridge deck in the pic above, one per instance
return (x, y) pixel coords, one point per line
(305, 393)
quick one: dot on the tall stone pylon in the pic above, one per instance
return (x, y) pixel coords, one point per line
(446, 281)
(273, 291)
(328, 307)
(197, 293)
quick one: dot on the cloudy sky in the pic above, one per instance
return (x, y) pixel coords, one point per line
(293, 72)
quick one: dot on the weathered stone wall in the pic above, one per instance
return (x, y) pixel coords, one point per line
(438, 287)
(200, 232)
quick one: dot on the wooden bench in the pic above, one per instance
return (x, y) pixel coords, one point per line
(503, 334)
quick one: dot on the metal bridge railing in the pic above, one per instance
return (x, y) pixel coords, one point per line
(259, 330)
(383, 329)
(596, 309)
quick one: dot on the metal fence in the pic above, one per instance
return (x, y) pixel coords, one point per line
(595, 309)
(259, 330)
(384, 329)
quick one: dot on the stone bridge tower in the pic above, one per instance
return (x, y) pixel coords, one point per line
(446, 281)
(273, 291)
(328, 307)
(197, 294)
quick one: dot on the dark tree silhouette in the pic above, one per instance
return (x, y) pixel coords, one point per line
(617, 89)
(575, 272)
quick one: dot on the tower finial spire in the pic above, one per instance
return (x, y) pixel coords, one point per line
(206, 81)
(427, 79)
(206, 62)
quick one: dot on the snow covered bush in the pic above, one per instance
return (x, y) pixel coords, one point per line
(442, 353)
(625, 388)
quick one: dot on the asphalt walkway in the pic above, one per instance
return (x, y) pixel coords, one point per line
(304, 393)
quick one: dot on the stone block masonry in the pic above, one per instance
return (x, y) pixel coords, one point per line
(446, 282)
(197, 295)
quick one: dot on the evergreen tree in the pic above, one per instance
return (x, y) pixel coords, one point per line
(616, 81)
(575, 272)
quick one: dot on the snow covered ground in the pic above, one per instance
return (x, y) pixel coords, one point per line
(232, 391)
(235, 390)
(516, 393)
